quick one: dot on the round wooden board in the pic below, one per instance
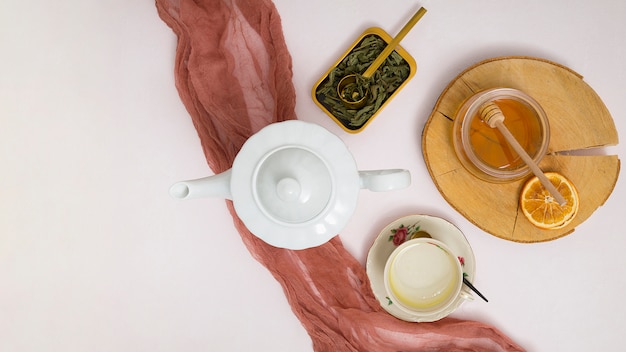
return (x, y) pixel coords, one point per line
(578, 118)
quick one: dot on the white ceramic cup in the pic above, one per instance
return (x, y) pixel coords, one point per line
(423, 277)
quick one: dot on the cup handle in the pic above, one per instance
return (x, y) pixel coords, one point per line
(466, 295)
(385, 180)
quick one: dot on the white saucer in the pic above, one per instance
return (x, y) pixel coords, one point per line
(439, 229)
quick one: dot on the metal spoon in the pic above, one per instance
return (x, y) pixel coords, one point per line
(469, 284)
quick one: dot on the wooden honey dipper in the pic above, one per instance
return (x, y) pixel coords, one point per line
(493, 116)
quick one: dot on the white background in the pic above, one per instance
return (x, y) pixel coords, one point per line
(95, 256)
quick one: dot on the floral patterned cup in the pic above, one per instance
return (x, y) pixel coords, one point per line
(423, 277)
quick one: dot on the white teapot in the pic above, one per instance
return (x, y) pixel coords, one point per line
(294, 184)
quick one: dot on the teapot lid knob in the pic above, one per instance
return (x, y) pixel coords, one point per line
(288, 189)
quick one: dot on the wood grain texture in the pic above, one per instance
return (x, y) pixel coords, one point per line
(578, 120)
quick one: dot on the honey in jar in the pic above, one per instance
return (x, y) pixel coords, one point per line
(484, 151)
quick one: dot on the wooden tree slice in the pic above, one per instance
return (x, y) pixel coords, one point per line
(578, 120)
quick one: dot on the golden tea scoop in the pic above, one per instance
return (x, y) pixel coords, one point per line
(346, 87)
(493, 116)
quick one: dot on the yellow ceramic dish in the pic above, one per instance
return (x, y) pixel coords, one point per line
(385, 37)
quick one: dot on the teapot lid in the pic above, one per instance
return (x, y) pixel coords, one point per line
(294, 184)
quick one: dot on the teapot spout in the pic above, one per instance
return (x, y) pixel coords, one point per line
(211, 186)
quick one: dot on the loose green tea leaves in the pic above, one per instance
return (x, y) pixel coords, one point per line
(383, 83)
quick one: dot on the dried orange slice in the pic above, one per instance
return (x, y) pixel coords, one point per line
(541, 208)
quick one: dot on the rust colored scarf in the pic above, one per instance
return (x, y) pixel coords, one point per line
(233, 73)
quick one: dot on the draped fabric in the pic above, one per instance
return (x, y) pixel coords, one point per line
(233, 73)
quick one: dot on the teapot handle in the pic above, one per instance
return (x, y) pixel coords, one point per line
(385, 180)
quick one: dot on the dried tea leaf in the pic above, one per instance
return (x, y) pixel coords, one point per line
(383, 83)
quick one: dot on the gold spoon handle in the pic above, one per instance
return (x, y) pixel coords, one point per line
(392, 45)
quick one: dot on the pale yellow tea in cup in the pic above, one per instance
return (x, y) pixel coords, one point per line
(423, 276)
